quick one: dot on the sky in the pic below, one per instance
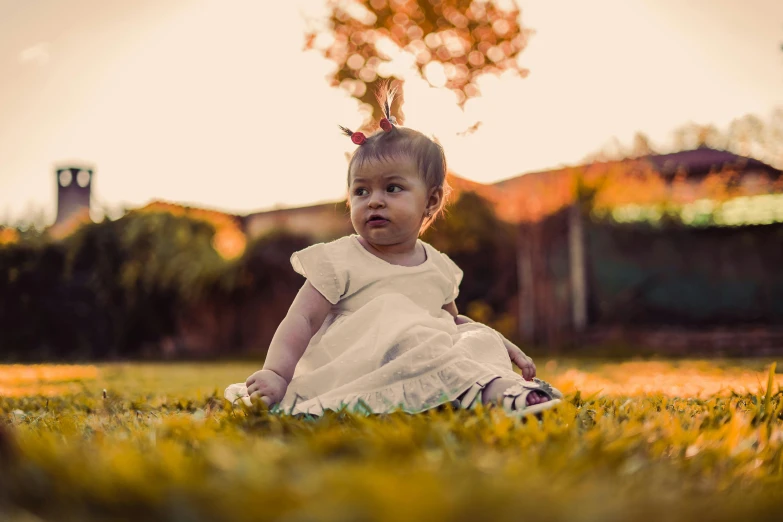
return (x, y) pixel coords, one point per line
(214, 103)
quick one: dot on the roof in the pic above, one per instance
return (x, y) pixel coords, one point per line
(646, 180)
(314, 209)
(702, 160)
(459, 185)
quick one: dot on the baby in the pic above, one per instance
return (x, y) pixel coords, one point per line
(375, 323)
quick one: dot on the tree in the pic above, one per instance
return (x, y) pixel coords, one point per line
(642, 145)
(694, 135)
(748, 135)
(449, 42)
(612, 150)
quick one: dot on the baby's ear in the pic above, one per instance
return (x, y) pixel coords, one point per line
(436, 197)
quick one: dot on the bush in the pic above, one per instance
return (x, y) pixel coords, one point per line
(113, 287)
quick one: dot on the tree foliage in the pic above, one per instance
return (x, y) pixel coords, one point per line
(748, 135)
(449, 42)
(115, 288)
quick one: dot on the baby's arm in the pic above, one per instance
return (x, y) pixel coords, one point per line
(518, 357)
(304, 318)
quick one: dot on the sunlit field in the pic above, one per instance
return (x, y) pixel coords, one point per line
(671, 441)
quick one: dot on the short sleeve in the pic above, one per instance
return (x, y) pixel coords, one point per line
(318, 265)
(456, 276)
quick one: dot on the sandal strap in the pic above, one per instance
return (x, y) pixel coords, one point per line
(512, 393)
(553, 392)
(469, 397)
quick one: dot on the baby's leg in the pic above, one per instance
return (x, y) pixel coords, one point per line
(493, 392)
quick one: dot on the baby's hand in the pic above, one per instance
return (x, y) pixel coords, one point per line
(267, 386)
(522, 361)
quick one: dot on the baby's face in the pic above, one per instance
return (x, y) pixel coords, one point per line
(388, 202)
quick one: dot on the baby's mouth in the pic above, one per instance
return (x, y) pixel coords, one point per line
(377, 220)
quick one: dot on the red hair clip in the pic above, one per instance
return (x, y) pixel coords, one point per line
(357, 137)
(387, 124)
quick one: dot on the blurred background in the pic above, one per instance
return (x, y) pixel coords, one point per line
(615, 166)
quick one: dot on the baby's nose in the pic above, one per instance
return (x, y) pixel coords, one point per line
(376, 202)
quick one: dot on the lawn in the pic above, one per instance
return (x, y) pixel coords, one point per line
(644, 440)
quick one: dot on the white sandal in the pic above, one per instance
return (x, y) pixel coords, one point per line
(516, 395)
(514, 401)
(237, 392)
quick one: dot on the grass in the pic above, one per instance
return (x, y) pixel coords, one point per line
(633, 441)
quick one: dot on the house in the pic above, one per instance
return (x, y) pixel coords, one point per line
(321, 222)
(675, 252)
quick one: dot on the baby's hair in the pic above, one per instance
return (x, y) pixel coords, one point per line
(388, 146)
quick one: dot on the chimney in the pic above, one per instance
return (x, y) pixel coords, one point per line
(73, 191)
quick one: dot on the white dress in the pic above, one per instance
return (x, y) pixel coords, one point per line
(387, 342)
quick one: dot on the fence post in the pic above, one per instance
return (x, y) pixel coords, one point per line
(576, 249)
(525, 290)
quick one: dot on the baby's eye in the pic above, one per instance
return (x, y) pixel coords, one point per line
(394, 188)
(360, 192)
